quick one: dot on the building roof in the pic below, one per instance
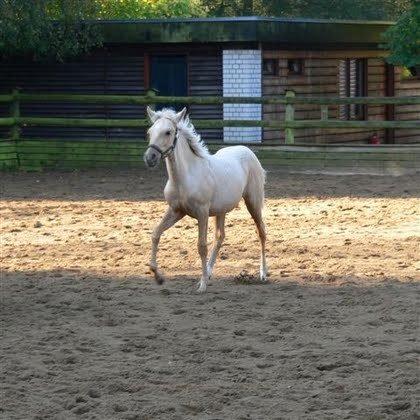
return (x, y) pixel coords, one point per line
(294, 32)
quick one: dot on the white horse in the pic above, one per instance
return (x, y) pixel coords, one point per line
(201, 185)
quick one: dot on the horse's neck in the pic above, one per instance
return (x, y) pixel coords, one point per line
(180, 164)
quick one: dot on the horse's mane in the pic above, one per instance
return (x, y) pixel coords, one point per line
(187, 131)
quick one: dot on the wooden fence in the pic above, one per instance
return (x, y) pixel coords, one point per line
(16, 151)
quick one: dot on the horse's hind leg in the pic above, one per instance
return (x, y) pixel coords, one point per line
(219, 236)
(168, 220)
(256, 213)
(203, 221)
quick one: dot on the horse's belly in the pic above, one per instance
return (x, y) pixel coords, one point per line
(221, 209)
(220, 204)
(227, 197)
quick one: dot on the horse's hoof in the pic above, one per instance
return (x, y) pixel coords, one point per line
(202, 287)
(159, 279)
(263, 276)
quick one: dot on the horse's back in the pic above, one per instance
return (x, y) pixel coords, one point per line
(237, 151)
(241, 155)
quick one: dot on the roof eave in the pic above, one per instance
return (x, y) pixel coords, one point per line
(252, 29)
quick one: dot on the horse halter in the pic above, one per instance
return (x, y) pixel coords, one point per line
(165, 153)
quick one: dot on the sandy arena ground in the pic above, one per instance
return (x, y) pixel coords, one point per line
(87, 334)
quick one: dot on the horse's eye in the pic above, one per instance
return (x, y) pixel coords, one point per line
(168, 133)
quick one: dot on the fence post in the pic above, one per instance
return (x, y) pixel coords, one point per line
(15, 113)
(15, 130)
(289, 117)
(324, 112)
(151, 93)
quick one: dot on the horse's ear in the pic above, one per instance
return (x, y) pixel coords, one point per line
(181, 115)
(151, 114)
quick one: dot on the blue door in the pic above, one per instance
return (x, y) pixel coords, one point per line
(168, 76)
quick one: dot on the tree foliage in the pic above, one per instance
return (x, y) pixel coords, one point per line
(403, 39)
(324, 9)
(139, 9)
(60, 29)
(47, 29)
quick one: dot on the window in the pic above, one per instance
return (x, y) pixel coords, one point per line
(410, 73)
(352, 75)
(270, 67)
(295, 66)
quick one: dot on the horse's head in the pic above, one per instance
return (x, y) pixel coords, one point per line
(162, 135)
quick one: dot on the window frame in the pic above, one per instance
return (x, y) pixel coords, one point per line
(301, 71)
(414, 75)
(360, 75)
(275, 64)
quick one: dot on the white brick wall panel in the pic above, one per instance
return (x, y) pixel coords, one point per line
(242, 77)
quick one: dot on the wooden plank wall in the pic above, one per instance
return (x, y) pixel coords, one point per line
(205, 77)
(85, 75)
(319, 78)
(407, 87)
(107, 71)
(124, 75)
(114, 70)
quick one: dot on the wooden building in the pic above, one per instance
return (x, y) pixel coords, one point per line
(249, 56)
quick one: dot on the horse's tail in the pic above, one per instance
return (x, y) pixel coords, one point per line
(254, 190)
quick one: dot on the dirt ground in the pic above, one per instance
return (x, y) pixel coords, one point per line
(87, 334)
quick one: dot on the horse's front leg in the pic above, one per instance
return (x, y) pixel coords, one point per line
(203, 221)
(168, 220)
(219, 236)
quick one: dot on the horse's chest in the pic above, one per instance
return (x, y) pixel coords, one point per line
(183, 206)
(182, 200)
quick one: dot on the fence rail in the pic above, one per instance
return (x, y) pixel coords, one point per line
(208, 100)
(16, 120)
(134, 123)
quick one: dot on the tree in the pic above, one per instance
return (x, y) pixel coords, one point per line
(324, 9)
(47, 29)
(143, 9)
(61, 29)
(228, 7)
(403, 39)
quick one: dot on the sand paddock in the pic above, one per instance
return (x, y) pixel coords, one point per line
(87, 334)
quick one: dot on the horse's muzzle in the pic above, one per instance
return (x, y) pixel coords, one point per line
(151, 158)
